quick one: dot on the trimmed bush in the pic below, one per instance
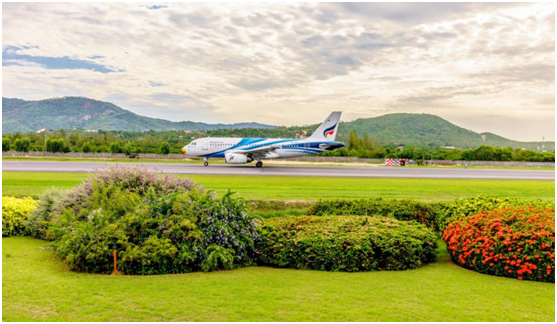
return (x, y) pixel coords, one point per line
(400, 209)
(86, 147)
(50, 201)
(6, 143)
(115, 148)
(463, 207)
(165, 148)
(56, 145)
(163, 225)
(22, 144)
(350, 243)
(278, 208)
(14, 215)
(510, 242)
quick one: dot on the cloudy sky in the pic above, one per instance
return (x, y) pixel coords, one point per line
(485, 67)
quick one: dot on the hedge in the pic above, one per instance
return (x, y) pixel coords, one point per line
(400, 209)
(510, 242)
(350, 243)
(14, 214)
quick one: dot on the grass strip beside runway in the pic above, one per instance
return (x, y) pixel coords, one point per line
(311, 188)
(199, 161)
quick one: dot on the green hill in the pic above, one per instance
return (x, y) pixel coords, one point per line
(79, 112)
(421, 130)
(427, 130)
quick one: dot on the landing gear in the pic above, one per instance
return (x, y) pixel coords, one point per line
(206, 162)
(259, 164)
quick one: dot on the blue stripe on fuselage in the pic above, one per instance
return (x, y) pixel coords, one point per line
(303, 150)
(267, 144)
(243, 142)
(298, 145)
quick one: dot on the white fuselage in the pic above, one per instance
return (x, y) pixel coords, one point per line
(245, 150)
(256, 148)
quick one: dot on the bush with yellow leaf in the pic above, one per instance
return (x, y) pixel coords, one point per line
(14, 215)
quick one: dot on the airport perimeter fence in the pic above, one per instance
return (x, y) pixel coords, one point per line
(330, 159)
(493, 163)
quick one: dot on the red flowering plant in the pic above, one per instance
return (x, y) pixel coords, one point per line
(517, 242)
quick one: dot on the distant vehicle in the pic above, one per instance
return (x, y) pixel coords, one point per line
(134, 156)
(246, 150)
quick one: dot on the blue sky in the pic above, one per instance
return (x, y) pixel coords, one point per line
(11, 56)
(483, 66)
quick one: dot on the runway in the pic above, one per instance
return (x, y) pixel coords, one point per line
(306, 171)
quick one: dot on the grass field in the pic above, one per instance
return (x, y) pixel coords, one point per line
(38, 287)
(312, 188)
(197, 161)
(220, 161)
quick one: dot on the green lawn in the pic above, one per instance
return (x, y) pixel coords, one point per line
(312, 188)
(221, 161)
(38, 287)
(184, 160)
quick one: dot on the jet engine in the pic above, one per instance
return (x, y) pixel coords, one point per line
(236, 158)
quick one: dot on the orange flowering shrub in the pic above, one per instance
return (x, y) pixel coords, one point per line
(516, 242)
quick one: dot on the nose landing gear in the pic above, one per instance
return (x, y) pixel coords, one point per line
(206, 162)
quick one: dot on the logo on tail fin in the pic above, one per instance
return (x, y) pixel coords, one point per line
(330, 130)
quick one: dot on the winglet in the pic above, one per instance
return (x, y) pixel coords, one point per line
(328, 129)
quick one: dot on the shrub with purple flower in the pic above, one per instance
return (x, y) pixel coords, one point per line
(174, 227)
(136, 179)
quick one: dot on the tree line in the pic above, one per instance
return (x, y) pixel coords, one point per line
(370, 148)
(165, 142)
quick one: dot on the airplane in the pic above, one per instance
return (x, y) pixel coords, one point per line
(246, 150)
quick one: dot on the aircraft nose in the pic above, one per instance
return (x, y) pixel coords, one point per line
(183, 150)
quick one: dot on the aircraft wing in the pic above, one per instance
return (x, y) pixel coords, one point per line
(257, 152)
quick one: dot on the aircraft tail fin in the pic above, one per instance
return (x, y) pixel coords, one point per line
(328, 129)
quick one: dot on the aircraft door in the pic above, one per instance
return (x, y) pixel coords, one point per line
(205, 146)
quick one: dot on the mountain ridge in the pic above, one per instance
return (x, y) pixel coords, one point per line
(419, 130)
(81, 112)
(429, 130)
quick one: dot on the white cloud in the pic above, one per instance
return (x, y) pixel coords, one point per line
(293, 63)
